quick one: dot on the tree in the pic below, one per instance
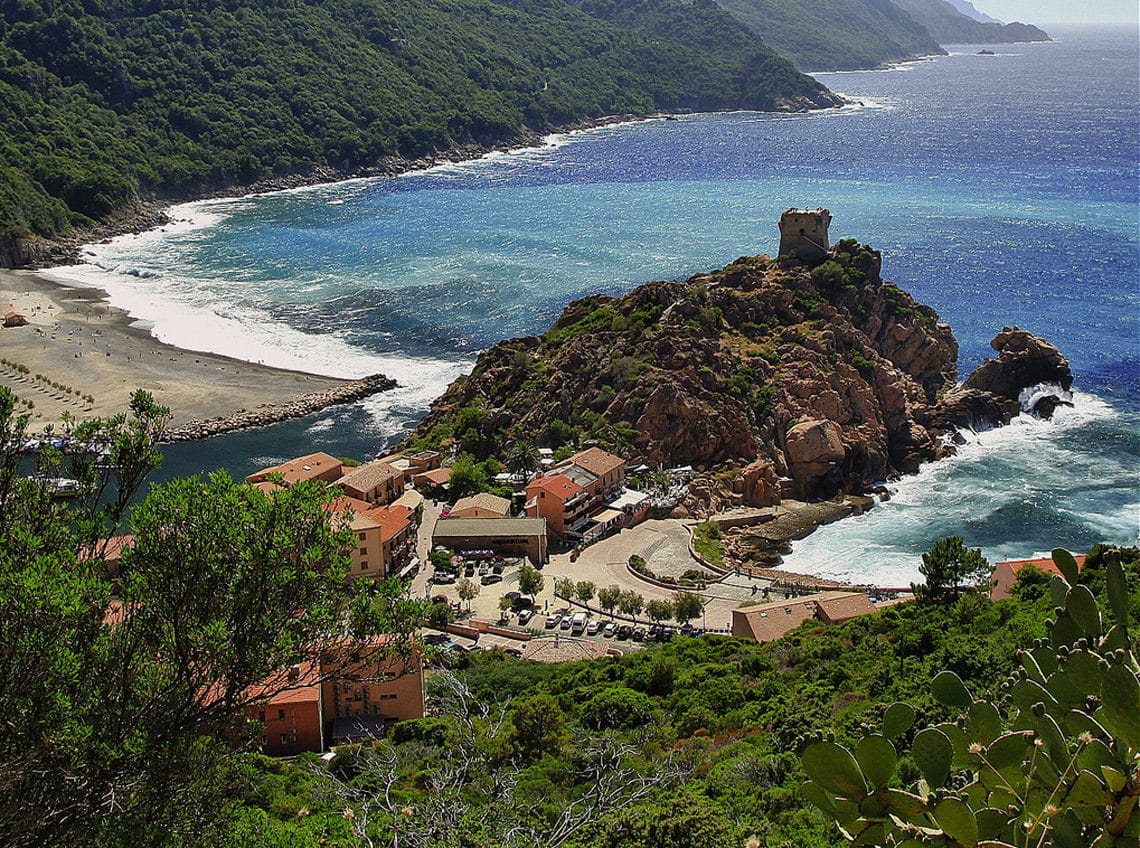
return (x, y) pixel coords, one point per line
(609, 598)
(439, 615)
(467, 590)
(584, 591)
(467, 478)
(564, 588)
(659, 610)
(440, 560)
(115, 708)
(531, 582)
(687, 606)
(480, 778)
(631, 603)
(505, 606)
(537, 726)
(522, 460)
(950, 568)
(1061, 771)
(616, 706)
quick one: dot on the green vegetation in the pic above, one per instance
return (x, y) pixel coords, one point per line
(950, 568)
(835, 34)
(1062, 768)
(947, 26)
(122, 700)
(694, 743)
(708, 541)
(101, 103)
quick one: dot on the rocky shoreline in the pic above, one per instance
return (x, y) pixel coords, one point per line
(348, 392)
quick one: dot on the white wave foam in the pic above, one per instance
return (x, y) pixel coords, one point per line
(193, 320)
(884, 546)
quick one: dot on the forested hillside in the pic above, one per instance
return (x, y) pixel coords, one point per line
(103, 100)
(835, 34)
(949, 26)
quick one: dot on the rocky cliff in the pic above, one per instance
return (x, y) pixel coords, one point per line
(823, 374)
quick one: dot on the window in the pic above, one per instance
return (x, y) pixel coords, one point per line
(284, 738)
(281, 715)
(363, 551)
(261, 715)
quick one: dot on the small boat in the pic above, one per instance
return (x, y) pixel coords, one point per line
(60, 487)
(986, 53)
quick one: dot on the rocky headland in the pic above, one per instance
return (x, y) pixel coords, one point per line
(779, 378)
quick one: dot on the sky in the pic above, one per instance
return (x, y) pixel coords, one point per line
(1062, 11)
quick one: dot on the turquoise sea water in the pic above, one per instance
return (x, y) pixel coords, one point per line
(1001, 190)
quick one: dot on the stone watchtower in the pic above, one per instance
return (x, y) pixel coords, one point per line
(803, 234)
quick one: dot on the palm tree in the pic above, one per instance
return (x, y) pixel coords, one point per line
(522, 460)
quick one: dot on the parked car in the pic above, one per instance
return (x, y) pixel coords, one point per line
(497, 568)
(609, 629)
(686, 629)
(624, 631)
(552, 621)
(638, 634)
(521, 603)
(444, 577)
(488, 579)
(440, 599)
(653, 633)
(593, 628)
(566, 621)
(469, 570)
(525, 615)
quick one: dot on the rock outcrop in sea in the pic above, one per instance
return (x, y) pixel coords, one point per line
(803, 379)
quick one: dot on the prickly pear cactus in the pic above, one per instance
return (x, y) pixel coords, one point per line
(1065, 772)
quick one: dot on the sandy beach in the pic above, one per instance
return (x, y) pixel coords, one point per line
(75, 339)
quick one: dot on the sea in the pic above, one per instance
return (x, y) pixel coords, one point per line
(1001, 189)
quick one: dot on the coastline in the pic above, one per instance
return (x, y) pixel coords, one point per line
(66, 250)
(77, 340)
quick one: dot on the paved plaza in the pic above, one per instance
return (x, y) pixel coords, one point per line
(664, 544)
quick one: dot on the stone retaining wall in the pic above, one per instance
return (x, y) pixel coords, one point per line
(346, 392)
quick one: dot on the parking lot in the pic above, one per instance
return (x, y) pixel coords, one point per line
(664, 546)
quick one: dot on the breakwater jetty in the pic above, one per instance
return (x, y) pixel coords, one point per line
(347, 392)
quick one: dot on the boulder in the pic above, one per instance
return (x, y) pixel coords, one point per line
(759, 484)
(1024, 360)
(814, 448)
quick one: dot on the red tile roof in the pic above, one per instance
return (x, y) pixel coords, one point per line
(1045, 564)
(562, 488)
(307, 467)
(597, 461)
(393, 520)
(298, 684)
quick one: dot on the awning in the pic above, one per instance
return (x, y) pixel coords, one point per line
(609, 516)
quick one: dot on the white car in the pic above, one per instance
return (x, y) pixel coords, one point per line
(593, 627)
(609, 629)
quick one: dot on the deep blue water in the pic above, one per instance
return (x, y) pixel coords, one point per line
(1001, 190)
